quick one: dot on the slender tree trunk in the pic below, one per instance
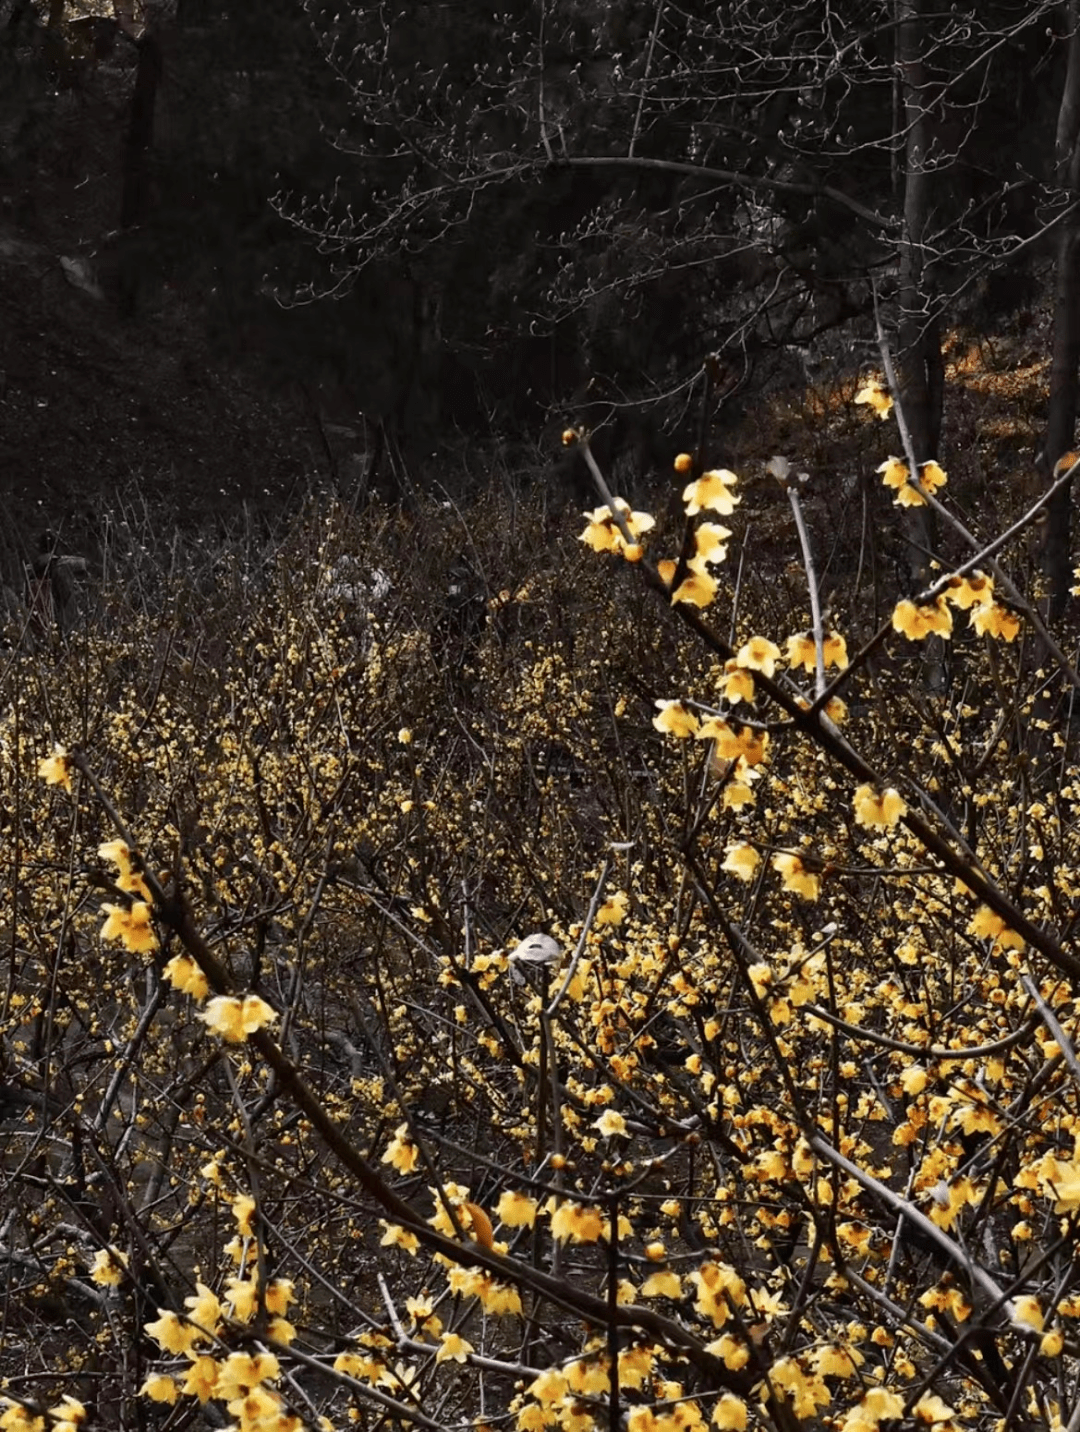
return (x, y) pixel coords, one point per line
(136, 193)
(919, 362)
(1065, 359)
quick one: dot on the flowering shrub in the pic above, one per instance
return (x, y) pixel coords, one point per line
(664, 1017)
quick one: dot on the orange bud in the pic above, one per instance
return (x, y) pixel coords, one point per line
(684, 462)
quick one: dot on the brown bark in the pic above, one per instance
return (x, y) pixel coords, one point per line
(1065, 357)
(919, 362)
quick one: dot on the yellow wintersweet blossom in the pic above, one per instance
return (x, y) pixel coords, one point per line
(663, 1284)
(201, 1378)
(729, 1413)
(185, 975)
(132, 927)
(516, 1210)
(17, 1418)
(603, 535)
(698, 588)
(69, 1412)
(453, 1348)
(974, 590)
(737, 684)
(709, 540)
(204, 1309)
(108, 1267)
(401, 1152)
(550, 1386)
(1061, 1182)
(242, 1371)
(745, 745)
(610, 1124)
(55, 770)
(243, 1210)
(171, 1333)
(997, 621)
(802, 651)
(675, 720)
(613, 910)
(719, 1289)
(985, 924)
(758, 654)
(895, 474)
(917, 622)
(394, 1236)
(741, 860)
(160, 1387)
(234, 1019)
(711, 493)
(876, 396)
(574, 1223)
(878, 1405)
(796, 877)
(882, 809)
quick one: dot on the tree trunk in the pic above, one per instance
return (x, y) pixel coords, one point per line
(135, 196)
(1065, 359)
(919, 363)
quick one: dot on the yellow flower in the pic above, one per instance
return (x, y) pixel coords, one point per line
(401, 1152)
(516, 1210)
(279, 1293)
(932, 477)
(160, 1388)
(874, 394)
(234, 1019)
(201, 1377)
(613, 910)
(709, 540)
(453, 1348)
(738, 684)
(664, 1284)
(729, 1413)
(997, 621)
(610, 1124)
(796, 877)
(985, 924)
(872, 809)
(17, 1418)
(117, 853)
(931, 1408)
(69, 1411)
(758, 654)
(55, 770)
(712, 493)
(204, 1309)
(1052, 1343)
(185, 975)
(108, 1267)
(243, 1210)
(974, 590)
(741, 860)
(699, 588)
(894, 474)
(802, 651)
(397, 1237)
(675, 719)
(683, 463)
(572, 1222)
(603, 535)
(171, 1333)
(132, 927)
(243, 1371)
(916, 622)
